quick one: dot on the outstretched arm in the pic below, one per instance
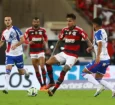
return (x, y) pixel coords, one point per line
(56, 46)
(98, 52)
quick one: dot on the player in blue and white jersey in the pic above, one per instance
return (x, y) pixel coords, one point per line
(102, 61)
(14, 52)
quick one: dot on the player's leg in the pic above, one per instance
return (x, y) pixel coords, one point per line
(49, 64)
(70, 61)
(41, 57)
(42, 63)
(35, 63)
(20, 65)
(88, 71)
(53, 60)
(99, 75)
(9, 62)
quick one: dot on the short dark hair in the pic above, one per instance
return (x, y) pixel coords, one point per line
(97, 21)
(71, 15)
(36, 18)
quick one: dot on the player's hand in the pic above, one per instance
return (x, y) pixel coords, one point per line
(31, 42)
(97, 60)
(48, 51)
(89, 49)
(14, 47)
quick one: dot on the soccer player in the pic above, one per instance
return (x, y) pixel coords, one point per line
(37, 39)
(72, 36)
(14, 52)
(102, 61)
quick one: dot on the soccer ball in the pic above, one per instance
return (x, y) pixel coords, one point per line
(32, 92)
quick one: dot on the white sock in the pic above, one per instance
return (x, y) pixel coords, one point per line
(7, 76)
(107, 84)
(91, 79)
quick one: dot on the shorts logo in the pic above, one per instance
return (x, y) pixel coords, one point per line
(104, 64)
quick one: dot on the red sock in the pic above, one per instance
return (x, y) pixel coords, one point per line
(50, 73)
(44, 76)
(39, 78)
(60, 79)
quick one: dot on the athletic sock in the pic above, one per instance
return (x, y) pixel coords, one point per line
(91, 79)
(60, 80)
(44, 76)
(39, 78)
(50, 73)
(107, 85)
(7, 77)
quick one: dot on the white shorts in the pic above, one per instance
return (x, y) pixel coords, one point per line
(67, 59)
(37, 56)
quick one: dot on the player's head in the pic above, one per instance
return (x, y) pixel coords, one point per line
(71, 20)
(8, 21)
(97, 23)
(36, 22)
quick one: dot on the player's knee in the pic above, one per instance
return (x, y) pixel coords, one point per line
(49, 61)
(21, 71)
(42, 66)
(98, 76)
(66, 68)
(84, 72)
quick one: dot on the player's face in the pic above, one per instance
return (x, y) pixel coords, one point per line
(35, 23)
(70, 22)
(94, 26)
(8, 21)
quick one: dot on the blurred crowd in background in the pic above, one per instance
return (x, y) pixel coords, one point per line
(106, 11)
(53, 20)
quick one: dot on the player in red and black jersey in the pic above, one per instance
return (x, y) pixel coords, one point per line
(37, 39)
(72, 35)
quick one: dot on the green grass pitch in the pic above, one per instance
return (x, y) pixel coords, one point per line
(61, 97)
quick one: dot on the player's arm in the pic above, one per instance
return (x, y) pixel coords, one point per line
(19, 43)
(2, 40)
(1, 43)
(61, 37)
(20, 40)
(99, 49)
(90, 45)
(56, 46)
(45, 40)
(26, 40)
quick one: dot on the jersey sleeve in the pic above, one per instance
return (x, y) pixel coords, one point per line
(61, 35)
(2, 37)
(98, 36)
(19, 33)
(45, 36)
(83, 34)
(26, 34)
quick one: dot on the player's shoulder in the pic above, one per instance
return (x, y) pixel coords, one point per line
(65, 28)
(15, 28)
(100, 32)
(4, 31)
(42, 28)
(29, 28)
(78, 28)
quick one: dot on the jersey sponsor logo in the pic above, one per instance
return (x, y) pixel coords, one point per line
(36, 39)
(69, 40)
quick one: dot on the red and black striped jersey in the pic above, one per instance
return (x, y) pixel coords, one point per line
(38, 36)
(72, 39)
